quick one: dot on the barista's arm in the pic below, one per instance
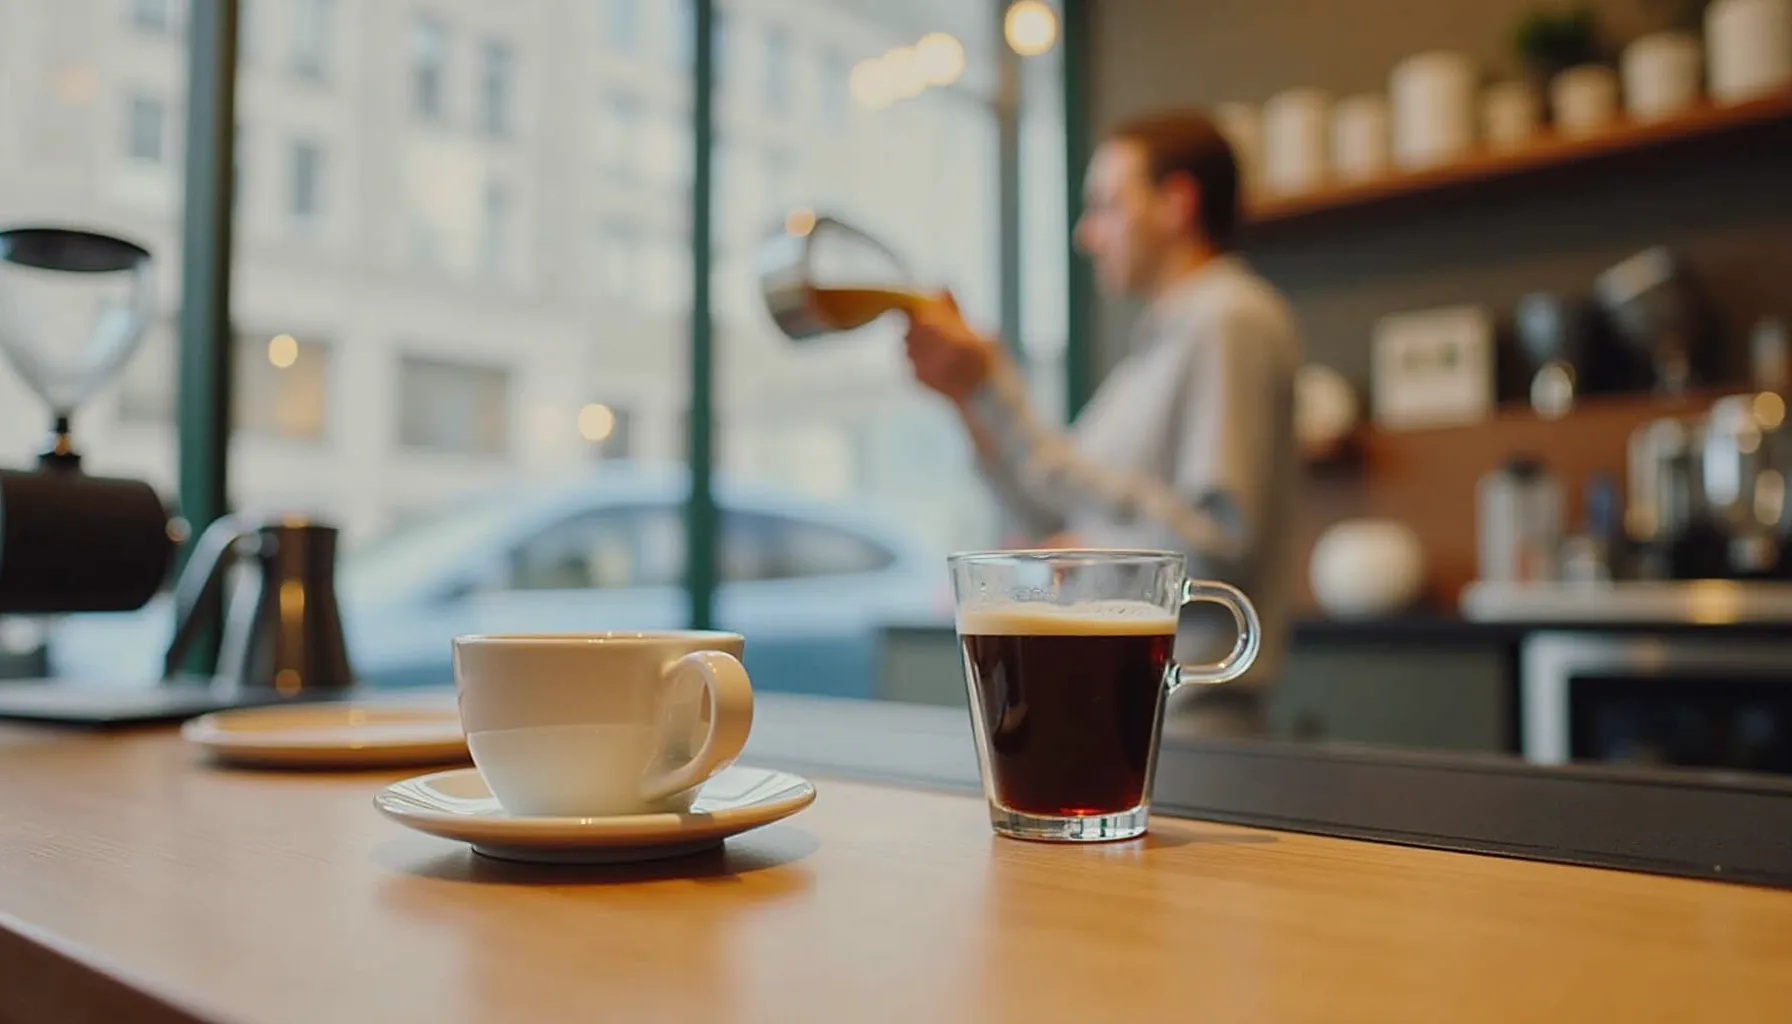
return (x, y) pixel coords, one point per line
(1037, 469)
(1208, 509)
(1039, 518)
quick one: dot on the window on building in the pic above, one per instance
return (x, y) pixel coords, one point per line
(608, 429)
(781, 184)
(494, 230)
(446, 406)
(777, 69)
(622, 25)
(280, 383)
(664, 155)
(497, 72)
(429, 67)
(311, 39)
(306, 185)
(146, 119)
(835, 91)
(617, 246)
(619, 135)
(153, 15)
(282, 386)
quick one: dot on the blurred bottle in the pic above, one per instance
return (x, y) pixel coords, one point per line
(1596, 554)
(1518, 522)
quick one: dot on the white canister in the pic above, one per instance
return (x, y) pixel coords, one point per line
(1366, 568)
(1360, 137)
(1295, 125)
(1432, 96)
(1748, 47)
(1661, 75)
(1509, 114)
(1243, 129)
(1584, 99)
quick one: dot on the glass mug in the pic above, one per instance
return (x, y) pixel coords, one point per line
(1068, 659)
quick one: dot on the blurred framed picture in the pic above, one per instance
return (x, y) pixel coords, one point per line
(1433, 367)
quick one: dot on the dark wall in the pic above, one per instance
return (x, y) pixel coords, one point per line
(1727, 208)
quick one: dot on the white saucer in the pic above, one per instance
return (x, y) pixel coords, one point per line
(457, 805)
(370, 735)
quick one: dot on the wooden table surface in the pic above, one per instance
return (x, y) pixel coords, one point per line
(138, 883)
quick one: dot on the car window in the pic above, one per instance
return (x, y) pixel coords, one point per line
(757, 546)
(638, 546)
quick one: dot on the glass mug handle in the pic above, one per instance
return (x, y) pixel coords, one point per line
(1244, 650)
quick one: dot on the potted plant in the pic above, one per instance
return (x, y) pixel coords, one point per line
(1560, 45)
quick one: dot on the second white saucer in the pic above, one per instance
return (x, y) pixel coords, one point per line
(354, 736)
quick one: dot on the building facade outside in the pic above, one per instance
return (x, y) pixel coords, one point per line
(462, 240)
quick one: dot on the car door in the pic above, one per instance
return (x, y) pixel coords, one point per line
(612, 568)
(809, 598)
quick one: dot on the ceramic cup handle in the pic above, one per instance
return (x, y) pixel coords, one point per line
(1244, 650)
(730, 697)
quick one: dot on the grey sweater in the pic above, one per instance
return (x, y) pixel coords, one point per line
(1187, 446)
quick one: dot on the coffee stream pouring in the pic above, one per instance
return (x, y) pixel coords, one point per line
(821, 275)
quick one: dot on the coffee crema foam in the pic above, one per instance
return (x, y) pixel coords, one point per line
(1096, 618)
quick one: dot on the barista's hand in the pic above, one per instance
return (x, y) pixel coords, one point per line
(947, 355)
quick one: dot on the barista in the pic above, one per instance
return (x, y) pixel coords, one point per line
(1189, 443)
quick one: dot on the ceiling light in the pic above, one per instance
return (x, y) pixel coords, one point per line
(1030, 27)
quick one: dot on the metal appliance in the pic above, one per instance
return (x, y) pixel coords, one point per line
(1709, 495)
(1660, 697)
(820, 275)
(1651, 305)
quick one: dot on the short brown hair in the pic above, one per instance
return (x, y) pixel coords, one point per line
(1187, 142)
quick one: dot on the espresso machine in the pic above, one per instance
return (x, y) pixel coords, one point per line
(1709, 495)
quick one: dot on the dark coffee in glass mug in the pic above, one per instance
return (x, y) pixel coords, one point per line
(1068, 658)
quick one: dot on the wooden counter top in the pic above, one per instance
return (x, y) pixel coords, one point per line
(139, 883)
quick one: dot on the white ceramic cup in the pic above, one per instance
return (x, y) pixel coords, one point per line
(1360, 137)
(598, 724)
(1748, 48)
(1296, 127)
(1509, 114)
(1661, 75)
(1432, 97)
(1584, 99)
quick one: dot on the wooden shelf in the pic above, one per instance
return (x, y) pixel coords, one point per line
(1548, 152)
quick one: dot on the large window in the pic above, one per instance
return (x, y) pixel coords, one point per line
(463, 288)
(306, 183)
(146, 128)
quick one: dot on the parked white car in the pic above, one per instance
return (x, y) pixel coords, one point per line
(809, 584)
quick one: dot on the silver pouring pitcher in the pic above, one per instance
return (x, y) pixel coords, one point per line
(821, 275)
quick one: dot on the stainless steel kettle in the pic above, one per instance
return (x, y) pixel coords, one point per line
(282, 627)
